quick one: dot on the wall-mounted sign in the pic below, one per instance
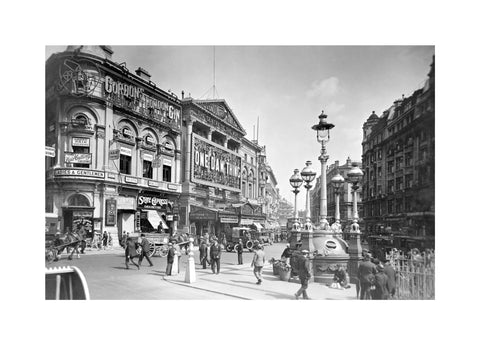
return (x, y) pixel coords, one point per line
(83, 142)
(172, 186)
(214, 166)
(79, 173)
(149, 140)
(230, 220)
(129, 179)
(49, 151)
(246, 221)
(78, 77)
(153, 183)
(125, 151)
(127, 132)
(147, 157)
(167, 162)
(114, 154)
(82, 158)
(155, 202)
(110, 212)
(135, 98)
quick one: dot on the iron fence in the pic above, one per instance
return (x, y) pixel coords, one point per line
(415, 277)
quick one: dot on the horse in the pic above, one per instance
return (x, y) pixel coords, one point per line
(71, 240)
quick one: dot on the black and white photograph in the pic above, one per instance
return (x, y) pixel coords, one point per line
(239, 172)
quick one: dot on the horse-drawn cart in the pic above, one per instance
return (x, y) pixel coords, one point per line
(158, 242)
(55, 245)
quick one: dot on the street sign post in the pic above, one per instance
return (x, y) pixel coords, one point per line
(114, 154)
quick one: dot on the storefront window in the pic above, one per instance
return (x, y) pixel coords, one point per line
(125, 164)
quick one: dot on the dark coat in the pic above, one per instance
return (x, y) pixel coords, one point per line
(303, 267)
(170, 255)
(145, 245)
(390, 272)
(380, 291)
(287, 253)
(215, 251)
(203, 250)
(239, 248)
(366, 271)
(131, 248)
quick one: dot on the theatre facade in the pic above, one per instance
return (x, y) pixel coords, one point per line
(113, 146)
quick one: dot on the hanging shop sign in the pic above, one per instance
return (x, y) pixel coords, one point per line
(135, 98)
(82, 142)
(114, 154)
(110, 212)
(81, 158)
(215, 166)
(79, 173)
(49, 151)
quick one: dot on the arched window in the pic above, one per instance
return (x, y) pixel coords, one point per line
(78, 200)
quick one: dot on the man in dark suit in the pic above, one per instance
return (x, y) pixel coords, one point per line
(170, 258)
(380, 291)
(390, 272)
(240, 251)
(303, 267)
(366, 275)
(215, 254)
(145, 244)
(203, 254)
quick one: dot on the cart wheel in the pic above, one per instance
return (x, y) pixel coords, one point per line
(249, 245)
(163, 251)
(229, 247)
(151, 249)
(235, 248)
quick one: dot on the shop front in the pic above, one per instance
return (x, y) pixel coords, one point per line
(202, 220)
(78, 216)
(156, 212)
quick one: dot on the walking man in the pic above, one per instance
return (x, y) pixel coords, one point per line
(215, 254)
(366, 276)
(130, 252)
(240, 251)
(170, 258)
(257, 263)
(203, 253)
(145, 249)
(303, 274)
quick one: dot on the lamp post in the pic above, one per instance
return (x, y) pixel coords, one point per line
(308, 175)
(355, 175)
(323, 135)
(337, 182)
(296, 182)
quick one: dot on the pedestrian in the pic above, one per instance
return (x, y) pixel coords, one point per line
(380, 290)
(178, 253)
(304, 274)
(170, 258)
(145, 244)
(286, 255)
(202, 249)
(105, 239)
(124, 239)
(215, 254)
(391, 274)
(257, 263)
(340, 279)
(131, 252)
(366, 276)
(240, 251)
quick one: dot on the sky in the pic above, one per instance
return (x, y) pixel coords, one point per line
(286, 88)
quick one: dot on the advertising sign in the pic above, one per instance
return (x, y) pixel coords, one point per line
(215, 166)
(73, 157)
(110, 212)
(83, 142)
(79, 173)
(49, 151)
(154, 202)
(114, 154)
(231, 220)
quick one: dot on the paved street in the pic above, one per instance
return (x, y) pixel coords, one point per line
(109, 280)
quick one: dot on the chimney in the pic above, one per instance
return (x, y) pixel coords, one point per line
(143, 74)
(337, 163)
(349, 162)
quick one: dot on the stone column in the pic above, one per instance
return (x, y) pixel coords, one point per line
(323, 187)
(188, 151)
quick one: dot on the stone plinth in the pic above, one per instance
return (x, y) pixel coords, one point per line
(295, 237)
(355, 252)
(330, 252)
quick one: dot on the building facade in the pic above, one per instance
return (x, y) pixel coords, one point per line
(220, 175)
(399, 166)
(346, 196)
(114, 145)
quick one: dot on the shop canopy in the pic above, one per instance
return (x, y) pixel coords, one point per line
(258, 226)
(155, 219)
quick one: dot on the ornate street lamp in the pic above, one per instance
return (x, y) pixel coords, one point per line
(337, 182)
(355, 175)
(323, 136)
(308, 175)
(296, 182)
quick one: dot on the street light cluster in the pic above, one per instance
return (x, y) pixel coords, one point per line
(308, 175)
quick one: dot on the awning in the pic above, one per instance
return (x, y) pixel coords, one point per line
(258, 226)
(155, 219)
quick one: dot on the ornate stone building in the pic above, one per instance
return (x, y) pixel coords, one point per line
(113, 143)
(399, 168)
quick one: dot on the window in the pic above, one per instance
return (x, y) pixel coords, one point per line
(251, 160)
(246, 158)
(408, 180)
(408, 204)
(398, 206)
(167, 173)
(147, 169)
(379, 172)
(379, 154)
(390, 206)
(390, 167)
(80, 149)
(125, 164)
(408, 159)
(399, 183)
(390, 185)
(244, 192)
(250, 190)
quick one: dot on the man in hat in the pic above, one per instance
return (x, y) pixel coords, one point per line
(258, 262)
(170, 258)
(303, 274)
(215, 254)
(240, 251)
(145, 244)
(366, 275)
(202, 249)
(287, 253)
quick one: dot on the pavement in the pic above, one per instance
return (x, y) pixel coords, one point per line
(238, 281)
